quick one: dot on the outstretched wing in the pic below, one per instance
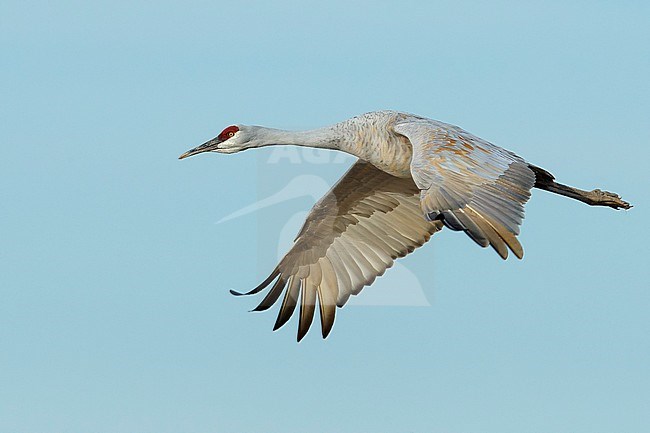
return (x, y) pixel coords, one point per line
(351, 236)
(468, 183)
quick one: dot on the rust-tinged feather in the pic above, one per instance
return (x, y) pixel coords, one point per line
(272, 296)
(327, 310)
(474, 232)
(509, 238)
(261, 287)
(288, 303)
(307, 307)
(327, 294)
(495, 240)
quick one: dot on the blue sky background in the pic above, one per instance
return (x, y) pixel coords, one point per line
(114, 307)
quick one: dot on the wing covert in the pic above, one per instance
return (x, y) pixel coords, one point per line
(468, 183)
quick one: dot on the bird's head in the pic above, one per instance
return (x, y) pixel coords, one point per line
(233, 139)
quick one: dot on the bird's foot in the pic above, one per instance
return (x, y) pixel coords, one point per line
(606, 198)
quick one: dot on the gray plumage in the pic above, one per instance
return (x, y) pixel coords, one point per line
(414, 175)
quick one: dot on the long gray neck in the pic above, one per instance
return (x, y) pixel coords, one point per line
(323, 138)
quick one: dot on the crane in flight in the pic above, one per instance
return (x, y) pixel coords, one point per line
(413, 177)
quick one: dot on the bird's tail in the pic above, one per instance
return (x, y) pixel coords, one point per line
(545, 180)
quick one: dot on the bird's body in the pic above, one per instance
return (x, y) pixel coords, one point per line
(414, 176)
(372, 138)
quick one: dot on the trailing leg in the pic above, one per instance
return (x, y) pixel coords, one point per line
(545, 180)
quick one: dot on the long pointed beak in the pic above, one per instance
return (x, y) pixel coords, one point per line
(205, 147)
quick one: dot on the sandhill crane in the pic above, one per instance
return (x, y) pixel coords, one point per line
(413, 176)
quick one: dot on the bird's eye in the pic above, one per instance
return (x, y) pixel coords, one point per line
(227, 133)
